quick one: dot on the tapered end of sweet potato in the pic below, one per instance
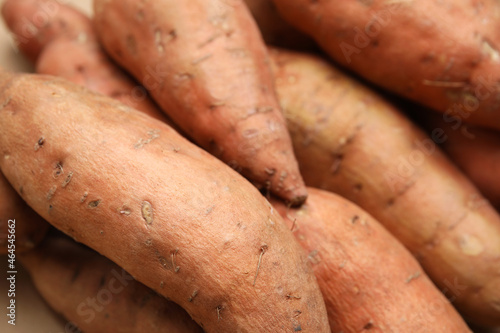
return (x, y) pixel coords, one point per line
(36, 23)
(294, 197)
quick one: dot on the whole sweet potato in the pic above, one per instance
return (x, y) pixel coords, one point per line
(443, 54)
(350, 141)
(368, 279)
(205, 64)
(98, 296)
(177, 219)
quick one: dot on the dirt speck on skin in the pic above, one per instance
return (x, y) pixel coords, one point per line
(219, 309)
(58, 170)
(147, 212)
(51, 192)
(174, 267)
(263, 250)
(163, 261)
(368, 326)
(152, 135)
(67, 180)
(413, 277)
(39, 143)
(95, 203)
(193, 295)
(125, 210)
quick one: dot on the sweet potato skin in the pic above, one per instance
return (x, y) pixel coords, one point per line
(36, 23)
(443, 54)
(60, 267)
(29, 227)
(368, 279)
(205, 64)
(354, 143)
(127, 176)
(474, 149)
(66, 46)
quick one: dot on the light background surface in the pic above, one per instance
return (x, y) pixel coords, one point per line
(32, 314)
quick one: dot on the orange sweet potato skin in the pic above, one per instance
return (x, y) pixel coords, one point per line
(173, 216)
(206, 65)
(475, 150)
(368, 279)
(443, 54)
(36, 23)
(103, 297)
(66, 46)
(350, 141)
(29, 227)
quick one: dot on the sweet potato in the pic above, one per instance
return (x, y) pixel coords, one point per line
(66, 46)
(205, 64)
(96, 295)
(28, 228)
(275, 30)
(443, 54)
(368, 279)
(475, 150)
(176, 218)
(35, 23)
(352, 142)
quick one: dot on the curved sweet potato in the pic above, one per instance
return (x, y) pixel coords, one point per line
(368, 279)
(352, 142)
(170, 214)
(29, 227)
(205, 64)
(443, 54)
(103, 297)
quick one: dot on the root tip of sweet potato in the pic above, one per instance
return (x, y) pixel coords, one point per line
(298, 200)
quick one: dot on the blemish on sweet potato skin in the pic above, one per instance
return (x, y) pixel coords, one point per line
(51, 192)
(39, 144)
(67, 180)
(94, 203)
(147, 212)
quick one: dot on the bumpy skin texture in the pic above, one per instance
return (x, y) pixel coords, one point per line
(350, 141)
(475, 150)
(35, 23)
(205, 64)
(370, 282)
(443, 54)
(275, 30)
(30, 228)
(173, 216)
(103, 297)
(66, 46)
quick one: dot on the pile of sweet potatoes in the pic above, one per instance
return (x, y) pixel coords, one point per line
(220, 184)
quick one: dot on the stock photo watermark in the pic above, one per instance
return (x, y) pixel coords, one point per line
(31, 25)
(454, 116)
(11, 272)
